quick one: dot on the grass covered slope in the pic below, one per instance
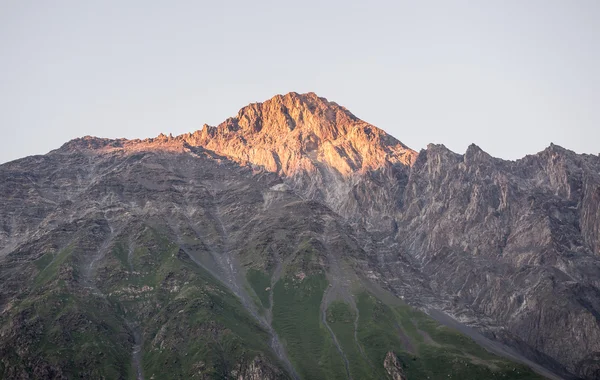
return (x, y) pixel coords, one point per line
(426, 349)
(191, 325)
(341, 319)
(146, 295)
(296, 318)
(149, 308)
(261, 285)
(423, 348)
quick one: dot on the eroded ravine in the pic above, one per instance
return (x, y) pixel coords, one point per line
(136, 354)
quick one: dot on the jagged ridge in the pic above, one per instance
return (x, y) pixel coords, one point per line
(286, 134)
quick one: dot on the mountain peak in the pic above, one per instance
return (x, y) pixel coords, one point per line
(294, 132)
(284, 113)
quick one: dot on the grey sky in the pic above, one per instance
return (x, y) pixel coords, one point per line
(511, 76)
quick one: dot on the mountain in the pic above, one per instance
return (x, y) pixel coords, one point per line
(298, 241)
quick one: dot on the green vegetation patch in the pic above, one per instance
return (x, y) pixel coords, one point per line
(77, 335)
(50, 264)
(261, 284)
(120, 252)
(426, 349)
(377, 332)
(340, 319)
(42, 262)
(297, 320)
(441, 334)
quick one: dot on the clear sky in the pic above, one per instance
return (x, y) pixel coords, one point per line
(510, 76)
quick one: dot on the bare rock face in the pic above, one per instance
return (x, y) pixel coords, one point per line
(393, 367)
(293, 133)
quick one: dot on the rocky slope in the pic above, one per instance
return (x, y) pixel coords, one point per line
(513, 243)
(288, 235)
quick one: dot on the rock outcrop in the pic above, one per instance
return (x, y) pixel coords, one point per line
(393, 367)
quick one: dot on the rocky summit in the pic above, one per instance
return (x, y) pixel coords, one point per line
(296, 241)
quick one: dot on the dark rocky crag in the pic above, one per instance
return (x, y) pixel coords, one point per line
(510, 248)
